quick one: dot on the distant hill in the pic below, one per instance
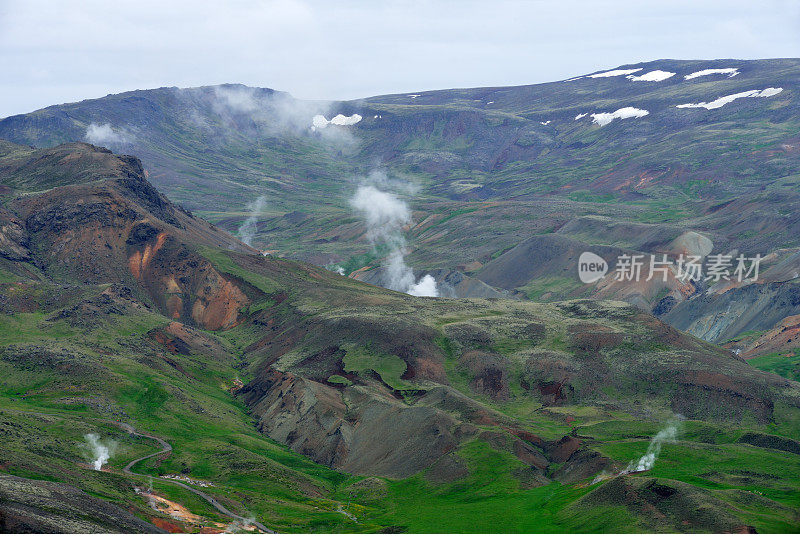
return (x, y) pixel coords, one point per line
(661, 149)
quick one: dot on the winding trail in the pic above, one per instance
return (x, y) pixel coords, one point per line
(166, 448)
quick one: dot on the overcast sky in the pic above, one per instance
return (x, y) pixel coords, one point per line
(66, 50)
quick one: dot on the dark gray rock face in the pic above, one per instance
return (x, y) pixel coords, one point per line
(35, 506)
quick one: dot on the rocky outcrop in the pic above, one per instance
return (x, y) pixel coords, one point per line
(661, 503)
(718, 317)
(14, 239)
(356, 431)
(111, 225)
(28, 506)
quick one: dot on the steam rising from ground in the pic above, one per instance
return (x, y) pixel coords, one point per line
(247, 231)
(239, 525)
(646, 462)
(105, 135)
(668, 434)
(385, 216)
(99, 451)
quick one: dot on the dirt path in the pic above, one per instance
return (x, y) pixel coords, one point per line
(166, 448)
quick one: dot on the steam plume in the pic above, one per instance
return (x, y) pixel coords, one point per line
(646, 462)
(385, 216)
(100, 451)
(247, 231)
(239, 525)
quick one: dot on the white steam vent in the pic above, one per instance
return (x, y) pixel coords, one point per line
(648, 460)
(99, 452)
(668, 434)
(247, 231)
(385, 215)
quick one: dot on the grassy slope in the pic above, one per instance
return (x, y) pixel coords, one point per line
(214, 439)
(706, 456)
(113, 370)
(212, 435)
(784, 364)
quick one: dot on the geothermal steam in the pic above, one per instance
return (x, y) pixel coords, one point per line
(646, 462)
(247, 231)
(385, 216)
(100, 451)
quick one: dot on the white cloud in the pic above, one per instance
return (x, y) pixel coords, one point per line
(105, 135)
(237, 99)
(652, 76)
(730, 71)
(623, 113)
(719, 102)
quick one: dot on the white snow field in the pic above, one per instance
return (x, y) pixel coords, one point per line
(730, 71)
(319, 121)
(652, 76)
(623, 113)
(721, 101)
(610, 73)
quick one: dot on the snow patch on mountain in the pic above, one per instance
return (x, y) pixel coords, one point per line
(719, 102)
(617, 72)
(623, 113)
(319, 121)
(580, 116)
(730, 71)
(652, 76)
